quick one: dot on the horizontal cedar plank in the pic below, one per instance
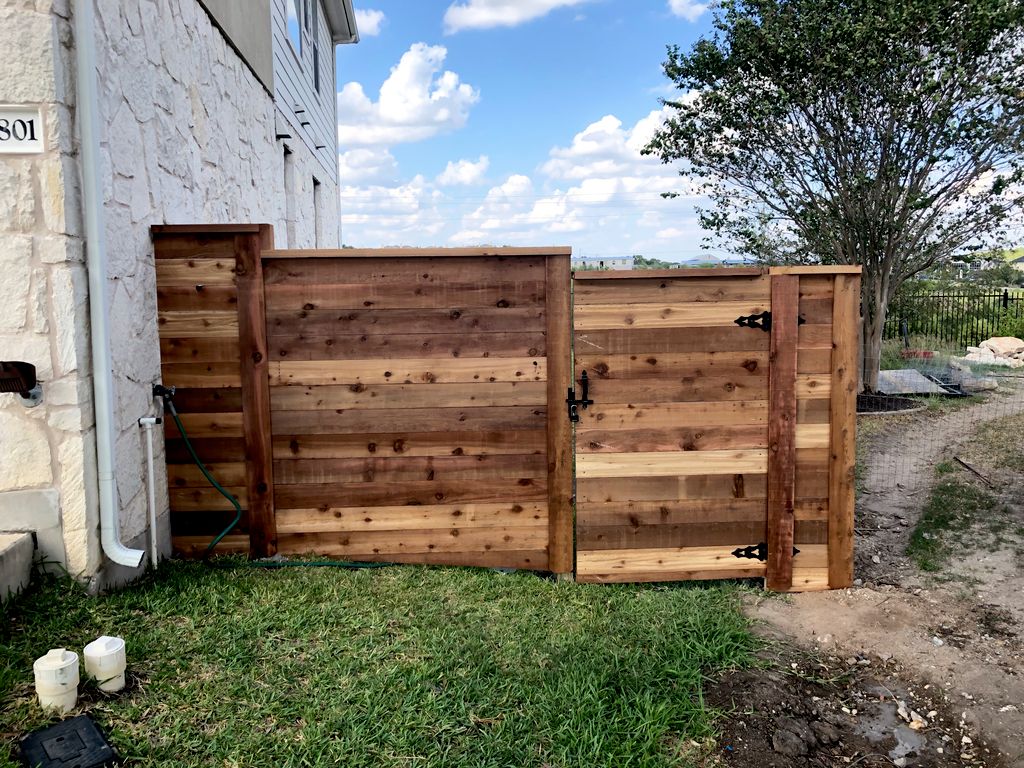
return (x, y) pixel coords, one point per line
(329, 495)
(624, 577)
(734, 533)
(671, 512)
(816, 311)
(606, 489)
(647, 564)
(668, 415)
(813, 360)
(812, 436)
(812, 411)
(188, 350)
(676, 315)
(360, 420)
(329, 323)
(811, 484)
(677, 439)
(408, 444)
(346, 346)
(679, 559)
(190, 476)
(399, 469)
(692, 364)
(209, 498)
(420, 541)
(217, 449)
(528, 559)
(411, 517)
(205, 425)
(407, 371)
(811, 509)
(196, 297)
(648, 341)
(810, 532)
(816, 286)
(476, 394)
(206, 522)
(333, 295)
(196, 546)
(415, 270)
(817, 336)
(813, 386)
(661, 464)
(690, 273)
(810, 580)
(198, 400)
(679, 389)
(200, 324)
(668, 290)
(816, 269)
(201, 375)
(190, 272)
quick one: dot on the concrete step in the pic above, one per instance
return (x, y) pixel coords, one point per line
(15, 563)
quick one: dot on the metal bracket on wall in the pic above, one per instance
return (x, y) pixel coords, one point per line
(757, 551)
(762, 320)
(573, 403)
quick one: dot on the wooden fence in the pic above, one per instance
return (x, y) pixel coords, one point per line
(409, 405)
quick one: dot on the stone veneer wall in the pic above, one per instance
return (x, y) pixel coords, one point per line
(188, 136)
(47, 458)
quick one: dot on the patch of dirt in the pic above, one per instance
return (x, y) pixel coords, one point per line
(959, 632)
(815, 709)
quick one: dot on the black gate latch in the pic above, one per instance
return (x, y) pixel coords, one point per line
(756, 551)
(572, 402)
(762, 320)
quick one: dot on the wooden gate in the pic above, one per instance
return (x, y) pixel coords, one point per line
(719, 443)
(409, 405)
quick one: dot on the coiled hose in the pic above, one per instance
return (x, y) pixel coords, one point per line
(167, 395)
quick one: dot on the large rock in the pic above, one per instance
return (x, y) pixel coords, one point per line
(1003, 346)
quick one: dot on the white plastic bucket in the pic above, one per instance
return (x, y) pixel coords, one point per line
(105, 660)
(57, 679)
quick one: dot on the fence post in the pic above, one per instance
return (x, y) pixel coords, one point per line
(1006, 298)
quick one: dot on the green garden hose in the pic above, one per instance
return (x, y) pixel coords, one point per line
(167, 396)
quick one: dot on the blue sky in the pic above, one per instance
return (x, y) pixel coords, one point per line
(512, 122)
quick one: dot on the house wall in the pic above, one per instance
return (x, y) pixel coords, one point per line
(294, 88)
(188, 135)
(47, 461)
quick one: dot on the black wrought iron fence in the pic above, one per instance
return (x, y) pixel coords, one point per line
(958, 318)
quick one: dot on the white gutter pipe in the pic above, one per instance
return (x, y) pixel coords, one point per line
(147, 423)
(102, 376)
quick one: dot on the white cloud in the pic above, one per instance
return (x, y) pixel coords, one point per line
(687, 9)
(464, 172)
(485, 14)
(414, 103)
(369, 22)
(669, 233)
(367, 164)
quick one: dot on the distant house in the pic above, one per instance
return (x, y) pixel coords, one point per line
(602, 262)
(1018, 262)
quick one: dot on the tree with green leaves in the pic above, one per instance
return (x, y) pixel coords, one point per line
(871, 132)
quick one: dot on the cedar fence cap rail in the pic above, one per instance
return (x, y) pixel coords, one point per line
(372, 253)
(204, 229)
(696, 272)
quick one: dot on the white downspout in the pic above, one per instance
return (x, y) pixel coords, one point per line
(96, 261)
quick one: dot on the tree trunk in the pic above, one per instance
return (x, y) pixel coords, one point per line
(871, 345)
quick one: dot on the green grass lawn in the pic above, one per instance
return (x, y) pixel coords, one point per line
(400, 666)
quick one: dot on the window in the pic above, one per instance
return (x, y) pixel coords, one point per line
(294, 12)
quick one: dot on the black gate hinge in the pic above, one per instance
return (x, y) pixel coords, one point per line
(573, 403)
(762, 320)
(756, 551)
